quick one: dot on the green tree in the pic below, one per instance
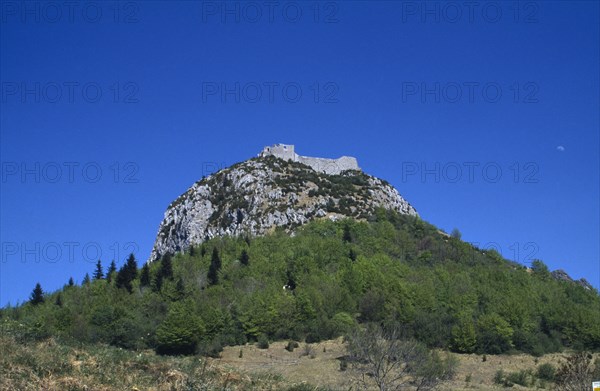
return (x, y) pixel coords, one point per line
(86, 279)
(112, 269)
(127, 274)
(37, 296)
(58, 300)
(494, 334)
(540, 269)
(145, 275)
(166, 266)
(98, 273)
(215, 266)
(347, 235)
(71, 282)
(455, 233)
(244, 258)
(463, 336)
(180, 332)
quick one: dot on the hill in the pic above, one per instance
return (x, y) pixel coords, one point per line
(272, 250)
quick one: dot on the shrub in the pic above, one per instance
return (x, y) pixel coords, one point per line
(522, 378)
(291, 345)
(499, 377)
(263, 342)
(546, 372)
(180, 332)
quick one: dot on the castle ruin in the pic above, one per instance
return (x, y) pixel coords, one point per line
(327, 166)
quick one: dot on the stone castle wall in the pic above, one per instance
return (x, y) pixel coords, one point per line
(327, 166)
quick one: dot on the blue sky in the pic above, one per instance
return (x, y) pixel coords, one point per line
(484, 118)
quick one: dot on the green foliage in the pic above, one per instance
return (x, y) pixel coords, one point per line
(37, 296)
(145, 275)
(98, 273)
(180, 332)
(546, 372)
(494, 334)
(112, 269)
(244, 258)
(446, 293)
(540, 269)
(463, 336)
(263, 342)
(215, 266)
(127, 274)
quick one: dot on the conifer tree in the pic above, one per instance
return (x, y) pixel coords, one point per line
(111, 270)
(347, 237)
(98, 273)
(145, 275)
(166, 267)
(37, 296)
(58, 300)
(244, 258)
(71, 282)
(127, 274)
(86, 279)
(215, 266)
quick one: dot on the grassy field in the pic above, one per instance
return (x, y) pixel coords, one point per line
(321, 367)
(48, 365)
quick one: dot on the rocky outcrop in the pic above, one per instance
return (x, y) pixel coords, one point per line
(562, 275)
(260, 194)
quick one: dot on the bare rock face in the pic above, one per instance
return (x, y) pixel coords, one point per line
(260, 194)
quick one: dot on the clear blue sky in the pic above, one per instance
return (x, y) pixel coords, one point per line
(152, 95)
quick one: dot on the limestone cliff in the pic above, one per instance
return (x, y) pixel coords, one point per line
(257, 195)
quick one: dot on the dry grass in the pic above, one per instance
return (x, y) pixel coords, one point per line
(49, 365)
(324, 369)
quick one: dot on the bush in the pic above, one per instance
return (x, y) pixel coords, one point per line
(522, 378)
(291, 345)
(180, 332)
(546, 372)
(263, 342)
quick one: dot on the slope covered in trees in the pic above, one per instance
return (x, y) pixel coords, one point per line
(318, 284)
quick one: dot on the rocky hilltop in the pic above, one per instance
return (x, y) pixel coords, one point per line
(256, 196)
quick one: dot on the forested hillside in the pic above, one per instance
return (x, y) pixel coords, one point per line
(318, 284)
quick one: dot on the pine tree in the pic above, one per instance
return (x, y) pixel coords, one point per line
(347, 236)
(244, 258)
(215, 266)
(111, 270)
(179, 289)
(86, 279)
(352, 255)
(37, 296)
(192, 251)
(98, 273)
(166, 267)
(127, 274)
(58, 300)
(145, 275)
(71, 282)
